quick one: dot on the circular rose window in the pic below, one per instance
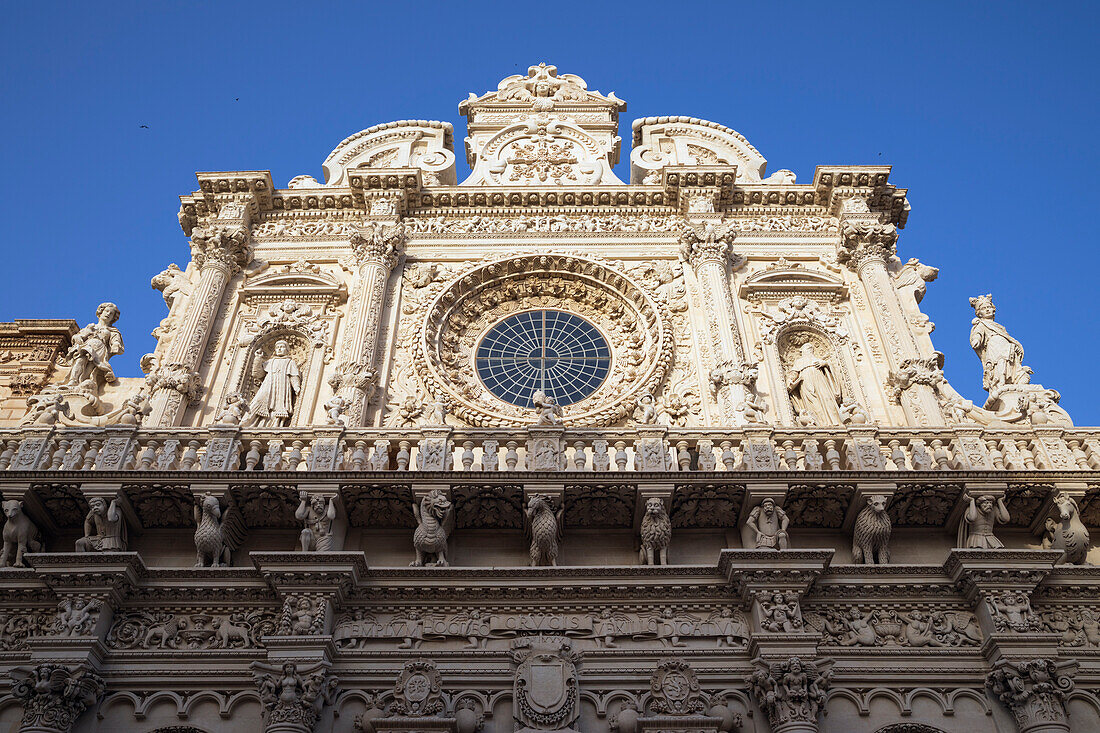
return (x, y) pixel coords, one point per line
(561, 354)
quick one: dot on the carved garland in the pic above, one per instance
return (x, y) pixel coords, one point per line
(636, 325)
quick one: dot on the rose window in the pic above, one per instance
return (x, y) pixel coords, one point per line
(559, 353)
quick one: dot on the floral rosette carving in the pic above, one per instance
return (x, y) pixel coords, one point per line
(635, 324)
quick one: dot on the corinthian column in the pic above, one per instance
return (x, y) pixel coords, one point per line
(707, 248)
(377, 248)
(219, 250)
(866, 244)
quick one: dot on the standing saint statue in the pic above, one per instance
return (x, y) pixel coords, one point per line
(274, 401)
(1002, 356)
(814, 388)
(93, 346)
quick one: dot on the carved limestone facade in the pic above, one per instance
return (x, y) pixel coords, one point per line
(590, 439)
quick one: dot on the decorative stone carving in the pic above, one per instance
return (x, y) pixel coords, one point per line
(1001, 355)
(217, 533)
(981, 516)
(54, 696)
(1035, 691)
(92, 349)
(871, 539)
(768, 523)
(435, 520)
(171, 282)
(545, 693)
(280, 383)
(544, 528)
(423, 144)
(292, 700)
(1011, 611)
(418, 691)
(104, 527)
(656, 533)
(20, 535)
(46, 409)
(549, 412)
(661, 142)
(780, 613)
(334, 411)
(675, 689)
(77, 616)
(303, 615)
(317, 515)
(186, 629)
(1070, 534)
(791, 692)
(896, 626)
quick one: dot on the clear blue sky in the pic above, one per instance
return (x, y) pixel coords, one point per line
(987, 111)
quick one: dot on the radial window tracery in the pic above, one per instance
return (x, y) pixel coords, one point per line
(556, 352)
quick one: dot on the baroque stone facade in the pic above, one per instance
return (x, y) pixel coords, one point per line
(542, 450)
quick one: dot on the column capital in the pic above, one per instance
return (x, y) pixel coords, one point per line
(55, 695)
(226, 246)
(707, 241)
(863, 236)
(791, 692)
(1035, 691)
(378, 243)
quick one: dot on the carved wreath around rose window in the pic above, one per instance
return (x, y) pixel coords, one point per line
(635, 324)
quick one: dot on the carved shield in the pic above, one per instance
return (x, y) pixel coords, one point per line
(546, 692)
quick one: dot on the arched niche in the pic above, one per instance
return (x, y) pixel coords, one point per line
(308, 358)
(781, 352)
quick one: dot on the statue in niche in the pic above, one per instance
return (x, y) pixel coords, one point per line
(981, 516)
(814, 388)
(92, 349)
(1002, 356)
(274, 401)
(768, 523)
(104, 528)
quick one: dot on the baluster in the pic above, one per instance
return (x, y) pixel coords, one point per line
(190, 456)
(511, 456)
(8, 454)
(790, 457)
(58, 456)
(490, 455)
(706, 460)
(380, 458)
(939, 452)
(148, 455)
(832, 455)
(1079, 456)
(90, 454)
(252, 458)
(897, 456)
(683, 457)
(1092, 450)
(995, 456)
(403, 454)
(1029, 458)
(620, 455)
(166, 456)
(359, 455)
(580, 456)
(812, 460)
(729, 458)
(468, 455)
(601, 461)
(294, 458)
(1013, 460)
(75, 455)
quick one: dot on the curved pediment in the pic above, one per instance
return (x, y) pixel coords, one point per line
(784, 278)
(668, 141)
(300, 280)
(423, 144)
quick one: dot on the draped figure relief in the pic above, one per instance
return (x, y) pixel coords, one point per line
(812, 382)
(279, 379)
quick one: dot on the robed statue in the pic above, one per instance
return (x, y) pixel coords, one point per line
(814, 388)
(1002, 356)
(93, 346)
(274, 401)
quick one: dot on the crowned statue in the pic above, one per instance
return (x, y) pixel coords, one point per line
(1002, 356)
(814, 388)
(274, 401)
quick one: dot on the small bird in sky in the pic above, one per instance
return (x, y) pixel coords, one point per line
(237, 99)
(145, 127)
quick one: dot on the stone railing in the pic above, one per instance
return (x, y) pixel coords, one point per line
(551, 448)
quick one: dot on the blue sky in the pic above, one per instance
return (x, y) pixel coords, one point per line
(987, 111)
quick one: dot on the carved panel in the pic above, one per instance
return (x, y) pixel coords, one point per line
(1024, 502)
(606, 506)
(64, 503)
(1090, 506)
(488, 507)
(162, 505)
(923, 505)
(707, 506)
(818, 505)
(382, 506)
(192, 628)
(267, 505)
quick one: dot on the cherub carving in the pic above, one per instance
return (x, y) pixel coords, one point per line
(334, 411)
(76, 617)
(46, 409)
(549, 411)
(234, 411)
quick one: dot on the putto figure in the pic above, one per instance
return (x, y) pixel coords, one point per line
(435, 520)
(549, 410)
(1002, 356)
(768, 524)
(274, 401)
(92, 348)
(318, 518)
(104, 528)
(983, 513)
